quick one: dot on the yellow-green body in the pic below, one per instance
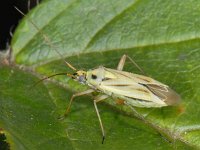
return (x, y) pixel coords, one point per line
(137, 90)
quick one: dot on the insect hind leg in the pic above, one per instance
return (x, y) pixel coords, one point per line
(122, 63)
(160, 131)
(98, 99)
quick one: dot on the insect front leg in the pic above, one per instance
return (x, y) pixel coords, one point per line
(123, 60)
(76, 95)
(98, 99)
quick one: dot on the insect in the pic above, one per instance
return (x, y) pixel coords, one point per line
(133, 89)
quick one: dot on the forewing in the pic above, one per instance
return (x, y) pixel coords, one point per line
(128, 89)
(139, 87)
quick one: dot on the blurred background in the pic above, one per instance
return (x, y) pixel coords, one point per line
(10, 17)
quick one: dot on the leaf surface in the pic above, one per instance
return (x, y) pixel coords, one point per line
(162, 37)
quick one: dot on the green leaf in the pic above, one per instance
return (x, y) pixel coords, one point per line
(161, 36)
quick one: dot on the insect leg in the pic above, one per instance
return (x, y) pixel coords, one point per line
(76, 95)
(98, 99)
(162, 133)
(122, 62)
(135, 112)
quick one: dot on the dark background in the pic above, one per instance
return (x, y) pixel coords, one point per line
(10, 17)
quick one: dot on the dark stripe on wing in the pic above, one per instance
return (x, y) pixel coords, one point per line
(106, 79)
(135, 77)
(143, 79)
(148, 88)
(134, 99)
(128, 85)
(124, 75)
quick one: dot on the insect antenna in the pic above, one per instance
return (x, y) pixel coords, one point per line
(53, 75)
(46, 38)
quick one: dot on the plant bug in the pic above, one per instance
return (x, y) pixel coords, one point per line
(133, 89)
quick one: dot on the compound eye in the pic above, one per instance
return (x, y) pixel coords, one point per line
(94, 76)
(81, 78)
